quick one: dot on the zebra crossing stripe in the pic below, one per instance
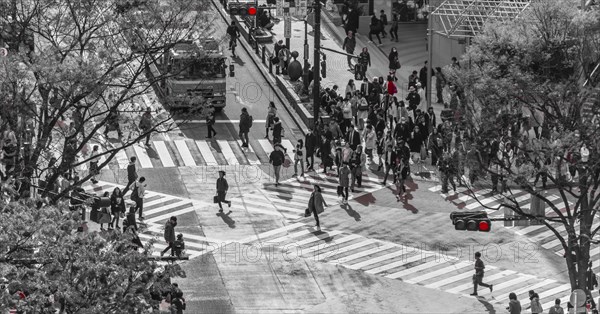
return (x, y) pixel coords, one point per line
(440, 283)
(159, 200)
(206, 153)
(168, 215)
(163, 154)
(379, 259)
(353, 247)
(412, 270)
(358, 255)
(318, 252)
(392, 265)
(267, 234)
(122, 159)
(453, 267)
(487, 279)
(228, 153)
(290, 236)
(266, 146)
(250, 154)
(142, 157)
(287, 144)
(185, 153)
(516, 281)
(556, 290)
(167, 207)
(318, 237)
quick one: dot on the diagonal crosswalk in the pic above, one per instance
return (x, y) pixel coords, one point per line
(411, 265)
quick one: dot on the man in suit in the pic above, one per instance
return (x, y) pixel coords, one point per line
(389, 159)
(353, 137)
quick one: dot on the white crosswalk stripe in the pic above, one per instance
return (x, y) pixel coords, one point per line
(163, 152)
(206, 153)
(228, 153)
(185, 153)
(142, 157)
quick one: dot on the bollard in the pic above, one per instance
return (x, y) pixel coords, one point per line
(255, 45)
(270, 65)
(262, 57)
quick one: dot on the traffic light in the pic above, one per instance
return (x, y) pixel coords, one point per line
(471, 221)
(242, 9)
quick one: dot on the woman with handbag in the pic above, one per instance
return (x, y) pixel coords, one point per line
(271, 114)
(222, 188)
(117, 208)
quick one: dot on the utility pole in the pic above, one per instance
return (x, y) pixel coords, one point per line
(430, 56)
(317, 63)
(305, 74)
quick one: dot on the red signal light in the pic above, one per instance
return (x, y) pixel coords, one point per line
(252, 11)
(484, 226)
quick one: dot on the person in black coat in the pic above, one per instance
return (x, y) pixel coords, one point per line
(131, 174)
(325, 153)
(352, 21)
(117, 207)
(353, 137)
(277, 127)
(389, 162)
(310, 141)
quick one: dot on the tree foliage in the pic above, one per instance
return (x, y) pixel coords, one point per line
(42, 254)
(91, 56)
(529, 72)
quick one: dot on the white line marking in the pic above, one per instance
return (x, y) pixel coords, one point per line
(228, 153)
(206, 153)
(142, 157)
(185, 153)
(163, 154)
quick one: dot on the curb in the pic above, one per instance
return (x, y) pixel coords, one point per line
(299, 123)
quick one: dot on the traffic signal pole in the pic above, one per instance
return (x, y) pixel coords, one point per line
(317, 63)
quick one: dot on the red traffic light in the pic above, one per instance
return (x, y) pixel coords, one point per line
(251, 11)
(485, 226)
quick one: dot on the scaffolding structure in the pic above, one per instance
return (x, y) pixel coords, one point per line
(466, 18)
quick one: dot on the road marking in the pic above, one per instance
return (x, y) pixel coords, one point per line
(249, 153)
(228, 153)
(163, 154)
(168, 215)
(392, 265)
(452, 279)
(432, 274)
(266, 146)
(290, 236)
(185, 153)
(167, 207)
(415, 269)
(314, 250)
(378, 259)
(142, 157)
(289, 148)
(351, 247)
(206, 153)
(469, 285)
(270, 233)
(358, 255)
(122, 159)
(504, 297)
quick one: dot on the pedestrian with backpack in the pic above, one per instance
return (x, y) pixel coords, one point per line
(245, 125)
(137, 195)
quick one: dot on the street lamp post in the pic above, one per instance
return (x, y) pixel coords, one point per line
(430, 56)
(306, 53)
(317, 63)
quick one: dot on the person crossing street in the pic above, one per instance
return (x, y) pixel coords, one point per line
(245, 125)
(222, 188)
(478, 276)
(169, 235)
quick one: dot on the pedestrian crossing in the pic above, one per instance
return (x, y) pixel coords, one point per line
(290, 197)
(411, 265)
(474, 199)
(194, 153)
(158, 208)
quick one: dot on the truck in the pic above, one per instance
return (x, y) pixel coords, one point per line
(195, 74)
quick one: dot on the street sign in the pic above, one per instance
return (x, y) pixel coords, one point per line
(3, 52)
(578, 300)
(279, 9)
(287, 26)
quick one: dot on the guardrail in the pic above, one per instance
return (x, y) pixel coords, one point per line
(261, 50)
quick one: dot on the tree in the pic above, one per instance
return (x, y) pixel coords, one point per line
(42, 254)
(82, 61)
(529, 72)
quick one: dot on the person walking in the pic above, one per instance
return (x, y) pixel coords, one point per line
(104, 213)
(131, 174)
(146, 124)
(271, 114)
(364, 59)
(137, 195)
(400, 174)
(389, 162)
(514, 306)
(245, 125)
(276, 158)
(277, 130)
(370, 140)
(393, 63)
(316, 205)
(344, 182)
(95, 159)
(375, 28)
(298, 154)
(210, 121)
(478, 276)
(233, 33)
(353, 137)
(310, 140)
(169, 235)
(440, 82)
(394, 28)
(384, 21)
(534, 305)
(222, 188)
(357, 164)
(117, 208)
(325, 153)
(349, 46)
(556, 309)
